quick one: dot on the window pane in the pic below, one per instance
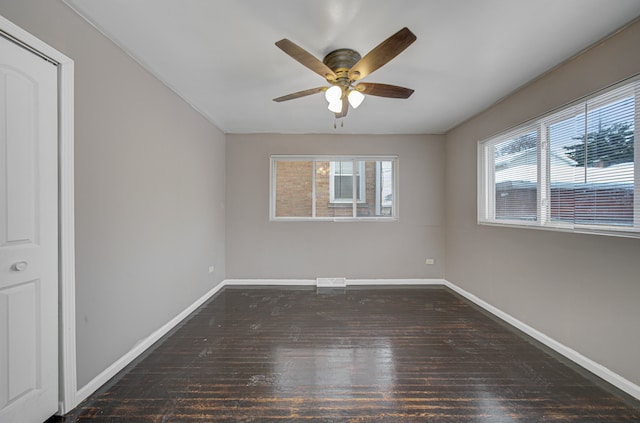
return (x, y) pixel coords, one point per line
(293, 185)
(343, 187)
(564, 136)
(378, 188)
(516, 176)
(326, 204)
(344, 167)
(606, 162)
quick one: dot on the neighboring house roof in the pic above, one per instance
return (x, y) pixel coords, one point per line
(520, 170)
(526, 176)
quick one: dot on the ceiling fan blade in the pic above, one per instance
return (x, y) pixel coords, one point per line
(384, 90)
(300, 94)
(383, 53)
(345, 108)
(307, 59)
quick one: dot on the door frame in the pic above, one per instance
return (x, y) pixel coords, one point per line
(67, 393)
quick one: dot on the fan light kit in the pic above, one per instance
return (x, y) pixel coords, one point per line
(342, 68)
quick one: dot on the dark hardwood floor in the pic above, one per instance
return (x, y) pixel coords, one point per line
(356, 355)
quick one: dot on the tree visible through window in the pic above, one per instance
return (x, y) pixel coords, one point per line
(609, 145)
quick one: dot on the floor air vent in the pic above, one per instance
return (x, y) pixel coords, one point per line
(331, 282)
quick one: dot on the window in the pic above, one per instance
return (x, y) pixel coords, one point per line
(576, 169)
(333, 188)
(341, 181)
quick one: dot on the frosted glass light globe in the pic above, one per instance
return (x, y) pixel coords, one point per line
(333, 94)
(335, 106)
(355, 98)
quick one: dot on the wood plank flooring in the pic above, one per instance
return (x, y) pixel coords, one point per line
(420, 354)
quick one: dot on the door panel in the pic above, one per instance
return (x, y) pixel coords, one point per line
(28, 236)
(22, 324)
(20, 158)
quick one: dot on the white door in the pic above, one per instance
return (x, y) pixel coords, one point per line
(28, 236)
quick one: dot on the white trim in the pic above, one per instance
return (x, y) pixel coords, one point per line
(335, 158)
(269, 282)
(394, 282)
(142, 346)
(588, 364)
(349, 282)
(67, 335)
(313, 190)
(336, 219)
(378, 177)
(636, 158)
(67, 294)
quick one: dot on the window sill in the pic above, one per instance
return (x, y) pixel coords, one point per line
(588, 230)
(334, 219)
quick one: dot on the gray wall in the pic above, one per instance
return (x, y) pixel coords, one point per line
(258, 248)
(582, 290)
(150, 186)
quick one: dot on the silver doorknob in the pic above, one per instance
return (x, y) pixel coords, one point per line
(19, 266)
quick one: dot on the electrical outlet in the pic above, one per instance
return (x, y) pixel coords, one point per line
(429, 261)
(211, 269)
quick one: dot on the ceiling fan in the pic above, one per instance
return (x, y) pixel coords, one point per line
(344, 67)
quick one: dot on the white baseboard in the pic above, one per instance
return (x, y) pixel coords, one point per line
(393, 282)
(269, 282)
(140, 347)
(312, 282)
(590, 365)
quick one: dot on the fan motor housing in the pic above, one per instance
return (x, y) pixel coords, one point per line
(341, 60)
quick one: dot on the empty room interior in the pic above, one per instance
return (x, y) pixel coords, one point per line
(235, 244)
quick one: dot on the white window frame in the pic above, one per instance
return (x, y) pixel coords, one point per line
(545, 170)
(330, 158)
(486, 213)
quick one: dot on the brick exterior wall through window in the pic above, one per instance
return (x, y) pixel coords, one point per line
(293, 196)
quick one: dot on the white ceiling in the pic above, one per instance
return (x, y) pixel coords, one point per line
(219, 55)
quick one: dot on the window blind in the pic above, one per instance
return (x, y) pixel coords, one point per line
(573, 169)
